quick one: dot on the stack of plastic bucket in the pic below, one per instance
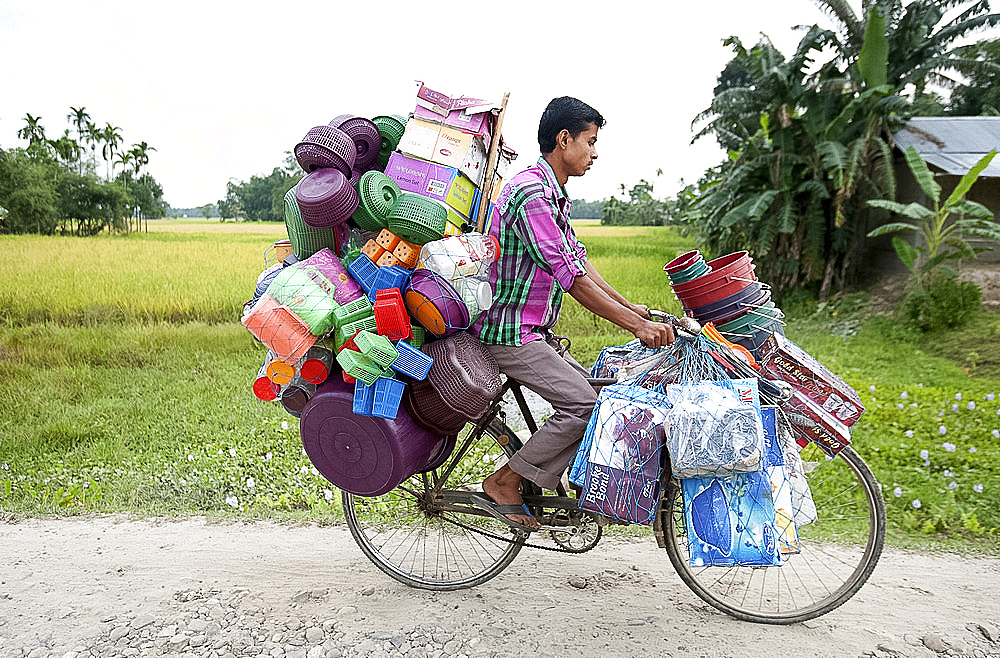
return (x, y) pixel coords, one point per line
(726, 292)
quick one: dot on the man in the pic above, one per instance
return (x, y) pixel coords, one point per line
(540, 258)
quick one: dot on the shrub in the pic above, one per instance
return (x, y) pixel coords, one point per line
(943, 301)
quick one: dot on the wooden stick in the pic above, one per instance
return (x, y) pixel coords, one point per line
(491, 166)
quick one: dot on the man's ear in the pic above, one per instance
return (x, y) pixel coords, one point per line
(563, 138)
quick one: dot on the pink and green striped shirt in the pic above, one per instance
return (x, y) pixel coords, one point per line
(540, 256)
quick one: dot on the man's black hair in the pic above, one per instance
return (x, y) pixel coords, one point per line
(566, 113)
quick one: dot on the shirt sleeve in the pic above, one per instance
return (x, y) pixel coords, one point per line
(558, 254)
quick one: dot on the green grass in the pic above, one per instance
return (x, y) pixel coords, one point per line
(126, 384)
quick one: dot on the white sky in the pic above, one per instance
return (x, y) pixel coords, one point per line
(223, 89)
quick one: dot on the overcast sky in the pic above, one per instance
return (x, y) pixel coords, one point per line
(222, 89)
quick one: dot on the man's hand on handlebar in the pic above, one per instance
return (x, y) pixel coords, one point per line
(655, 334)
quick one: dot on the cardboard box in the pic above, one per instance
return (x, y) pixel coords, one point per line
(474, 124)
(821, 427)
(436, 181)
(445, 145)
(782, 359)
(469, 114)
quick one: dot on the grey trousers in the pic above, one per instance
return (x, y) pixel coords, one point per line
(548, 370)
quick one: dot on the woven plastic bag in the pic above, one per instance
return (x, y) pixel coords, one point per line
(620, 461)
(715, 428)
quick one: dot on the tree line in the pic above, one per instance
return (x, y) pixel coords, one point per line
(54, 184)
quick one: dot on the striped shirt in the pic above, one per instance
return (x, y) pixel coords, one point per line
(540, 256)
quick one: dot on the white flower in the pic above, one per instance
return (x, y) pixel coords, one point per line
(916, 503)
(971, 405)
(232, 452)
(897, 492)
(948, 473)
(950, 447)
(903, 395)
(268, 456)
(328, 495)
(973, 450)
(913, 405)
(920, 385)
(924, 454)
(978, 488)
(871, 388)
(996, 434)
(284, 424)
(899, 405)
(954, 407)
(953, 485)
(942, 430)
(303, 469)
(5, 466)
(232, 501)
(927, 462)
(251, 483)
(909, 434)
(990, 396)
(958, 396)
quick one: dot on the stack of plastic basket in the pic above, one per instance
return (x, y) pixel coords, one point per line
(726, 292)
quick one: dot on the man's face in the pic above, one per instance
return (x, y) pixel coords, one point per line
(581, 151)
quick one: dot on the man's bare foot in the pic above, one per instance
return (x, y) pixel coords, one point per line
(504, 487)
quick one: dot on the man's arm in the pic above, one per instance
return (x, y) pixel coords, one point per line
(596, 299)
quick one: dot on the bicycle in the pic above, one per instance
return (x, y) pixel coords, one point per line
(428, 533)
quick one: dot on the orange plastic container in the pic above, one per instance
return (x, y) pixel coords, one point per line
(407, 253)
(278, 327)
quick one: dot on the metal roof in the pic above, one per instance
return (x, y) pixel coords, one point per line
(953, 144)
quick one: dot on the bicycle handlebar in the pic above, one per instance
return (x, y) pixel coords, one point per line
(686, 325)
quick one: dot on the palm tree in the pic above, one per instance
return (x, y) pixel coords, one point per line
(112, 137)
(919, 41)
(33, 130)
(79, 117)
(140, 155)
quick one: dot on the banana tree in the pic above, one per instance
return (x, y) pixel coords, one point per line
(943, 230)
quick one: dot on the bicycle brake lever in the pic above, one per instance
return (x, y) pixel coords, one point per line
(688, 325)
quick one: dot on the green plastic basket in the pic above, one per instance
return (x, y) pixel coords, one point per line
(376, 347)
(377, 194)
(359, 309)
(360, 367)
(417, 219)
(391, 129)
(306, 240)
(345, 331)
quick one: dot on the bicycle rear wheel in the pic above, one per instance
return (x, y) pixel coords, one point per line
(421, 539)
(837, 554)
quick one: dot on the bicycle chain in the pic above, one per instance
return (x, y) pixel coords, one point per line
(513, 541)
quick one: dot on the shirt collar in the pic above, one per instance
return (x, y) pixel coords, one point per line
(562, 197)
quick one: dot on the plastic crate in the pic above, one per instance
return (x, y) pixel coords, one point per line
(377, 348)
(387, 259)
(352, 311)
(347, 331)
(388, 395)
(388, 277)
(359, 366)
(373, 250)
(391, 318)
(407, 253)
(387, 239)
(411, 361)
(364, 271)
(364, 398)
(419, 336)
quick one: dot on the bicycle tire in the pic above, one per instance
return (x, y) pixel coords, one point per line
(838, 551)
(430, 548)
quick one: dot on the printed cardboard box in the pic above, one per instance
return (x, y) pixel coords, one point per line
(820, 426)
(436, 181)
(445, 145)
(783, 359)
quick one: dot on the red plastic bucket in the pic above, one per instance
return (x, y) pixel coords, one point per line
(682, 261)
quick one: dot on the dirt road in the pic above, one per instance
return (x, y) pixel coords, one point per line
(111, 586)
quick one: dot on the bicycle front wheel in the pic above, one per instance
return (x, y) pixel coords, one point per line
(415, 536)
(837, 554)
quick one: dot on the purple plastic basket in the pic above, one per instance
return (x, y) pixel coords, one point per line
(325, 198)
(438, 292)
(730, 307)
(365, 135)
(464, 374)
(363, 455)
(430, 412)
(326, 146)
